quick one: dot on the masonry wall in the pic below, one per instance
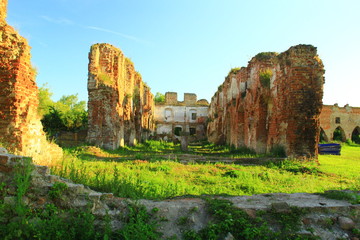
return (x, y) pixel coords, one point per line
(346, 118)
(275, 100)
(3, 10)
(20, 127)
(120, 104)
(179, 114)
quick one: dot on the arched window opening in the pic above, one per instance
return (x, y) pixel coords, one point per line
(339, 135)
(355, 135)
(323, 137)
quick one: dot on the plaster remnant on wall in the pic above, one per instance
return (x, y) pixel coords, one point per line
(174, 117)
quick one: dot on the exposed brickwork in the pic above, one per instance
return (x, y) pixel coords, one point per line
(20, 126)
(275, 100)
(120, 103)
(190, 98)
(171, 98)
(332, 117)
(3, 11)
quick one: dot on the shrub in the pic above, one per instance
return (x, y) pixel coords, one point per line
(265, 77)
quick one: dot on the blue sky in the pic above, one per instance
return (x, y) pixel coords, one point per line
(188, 45)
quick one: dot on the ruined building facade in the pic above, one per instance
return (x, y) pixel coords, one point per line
(21, 131)
(275, 100)
(175, 117)
(120, 104)
(344, 121)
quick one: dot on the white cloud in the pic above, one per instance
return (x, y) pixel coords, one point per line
(63, 21)
(116, 33)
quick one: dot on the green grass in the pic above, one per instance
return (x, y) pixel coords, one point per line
(156, 178)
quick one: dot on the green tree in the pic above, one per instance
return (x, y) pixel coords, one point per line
(74, 114)
(45, 101)
(67, 114)
(159, 98)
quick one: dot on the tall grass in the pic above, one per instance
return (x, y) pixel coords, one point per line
(158, 179)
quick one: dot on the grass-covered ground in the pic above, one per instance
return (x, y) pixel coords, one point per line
(148, 171)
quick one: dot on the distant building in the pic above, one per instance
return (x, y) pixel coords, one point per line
(174, 117)
(340, 123)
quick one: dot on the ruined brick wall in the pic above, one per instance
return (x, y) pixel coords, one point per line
(275, 100)
(190, 98)
(346, 118)
(20, 127)
(120, 104)
(3, 7)
(171, 98)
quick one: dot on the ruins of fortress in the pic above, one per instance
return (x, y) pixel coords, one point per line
(275, 101)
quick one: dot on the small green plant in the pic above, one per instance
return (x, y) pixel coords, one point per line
(278, 151)
(289, 221)
(127, 98)
(136, 96)
(139, 225)
(57, 190)
(265, 55)
(228, 218)
(234, 70)
(22, 178)
(232, 174)
(265, 78)
(155, 210)
(242, 150)
(349, 196)
(105, 78)
(356, 232)
(184, 220)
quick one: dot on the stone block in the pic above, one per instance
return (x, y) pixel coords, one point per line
(346, 223)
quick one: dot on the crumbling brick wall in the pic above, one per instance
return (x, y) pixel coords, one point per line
(275, 100)
(120, 104)
(20, 127)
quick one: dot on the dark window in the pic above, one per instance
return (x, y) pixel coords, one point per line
(337, 120)
(193, 116)
(192, 131)
(177, 131)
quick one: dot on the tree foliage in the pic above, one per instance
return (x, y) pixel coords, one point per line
(159, 98)
(67, 114)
